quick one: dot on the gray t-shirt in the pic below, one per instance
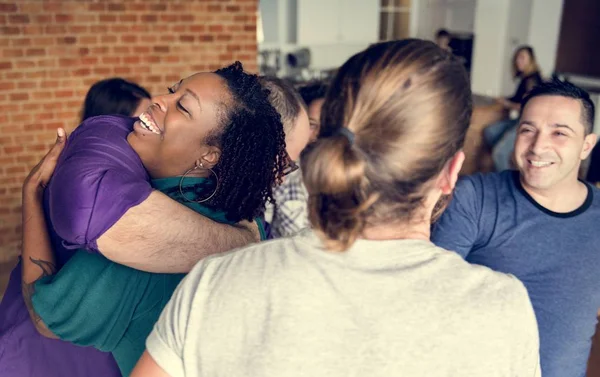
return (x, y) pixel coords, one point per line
(383, 308)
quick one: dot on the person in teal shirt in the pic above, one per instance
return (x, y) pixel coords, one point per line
(214, 143)
(92, 301)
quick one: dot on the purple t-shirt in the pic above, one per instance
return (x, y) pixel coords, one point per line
(97, 179)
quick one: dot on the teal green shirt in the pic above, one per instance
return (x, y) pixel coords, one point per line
(92, 301)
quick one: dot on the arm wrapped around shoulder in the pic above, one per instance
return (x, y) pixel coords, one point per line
(97, 179)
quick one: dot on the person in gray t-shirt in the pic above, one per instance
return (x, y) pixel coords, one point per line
(365, 293)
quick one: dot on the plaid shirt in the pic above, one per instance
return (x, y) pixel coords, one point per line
(290, 213)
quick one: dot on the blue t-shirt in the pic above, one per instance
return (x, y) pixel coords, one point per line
(493, 221)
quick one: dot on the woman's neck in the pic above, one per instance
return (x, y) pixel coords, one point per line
(398, 231)
(418, 227)
(528, 71)
(197, 173)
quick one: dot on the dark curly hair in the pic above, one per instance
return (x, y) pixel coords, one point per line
(252, 143)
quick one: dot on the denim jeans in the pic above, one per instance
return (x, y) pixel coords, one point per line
(503, 150)
(494, 132)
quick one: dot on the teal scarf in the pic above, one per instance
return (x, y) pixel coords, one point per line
(194, 189)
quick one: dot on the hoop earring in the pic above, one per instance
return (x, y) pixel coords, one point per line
(188, 172)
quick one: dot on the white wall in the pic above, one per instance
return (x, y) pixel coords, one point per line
(517, 32)
(333, 30)
(460, 15)
(503, 25)
(269, 17)
(491, 24)
(323, 22)
(544, 30)
(428, 16)
(318, 21)
(332, 56)
(277, 25)
(359, 20)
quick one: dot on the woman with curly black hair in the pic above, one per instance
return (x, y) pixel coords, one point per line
(214, 144)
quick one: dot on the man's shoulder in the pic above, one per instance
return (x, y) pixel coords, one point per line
(119, 121)
(94, 134)
(490, 180)
(482, 194)
(595, 188)
(485, 184)
(595, 198)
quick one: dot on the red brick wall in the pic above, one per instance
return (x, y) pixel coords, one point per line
(51, 51)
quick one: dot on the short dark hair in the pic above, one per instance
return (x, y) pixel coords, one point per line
(113, 96)
(442, 33)
(313, 91)
(561, 88)
(284, 98)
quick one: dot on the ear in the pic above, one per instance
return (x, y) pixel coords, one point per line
(210, 157)
(449, 175)
(588, 144)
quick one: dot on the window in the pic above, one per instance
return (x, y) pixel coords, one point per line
(394, 20)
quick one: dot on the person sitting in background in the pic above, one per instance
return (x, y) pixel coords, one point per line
(442, 39)
(540, 223)
(115, 96)
(290, 212)
(214, 144)
(366, 293)
(500, 136)
(23, 352)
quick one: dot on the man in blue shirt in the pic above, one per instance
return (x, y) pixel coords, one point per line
(540, 223)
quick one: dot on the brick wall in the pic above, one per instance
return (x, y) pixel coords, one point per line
(51, 51)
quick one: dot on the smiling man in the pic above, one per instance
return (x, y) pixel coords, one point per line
(540, 223)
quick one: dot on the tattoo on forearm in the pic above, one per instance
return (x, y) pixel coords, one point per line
(48, 269)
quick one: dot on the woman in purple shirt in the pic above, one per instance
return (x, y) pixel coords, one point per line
(20, 344)
(107, 168)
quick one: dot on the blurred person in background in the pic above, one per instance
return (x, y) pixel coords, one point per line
(297, 122)
(313, 95)
(442, 39)
(290, 212)
(501, 136)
